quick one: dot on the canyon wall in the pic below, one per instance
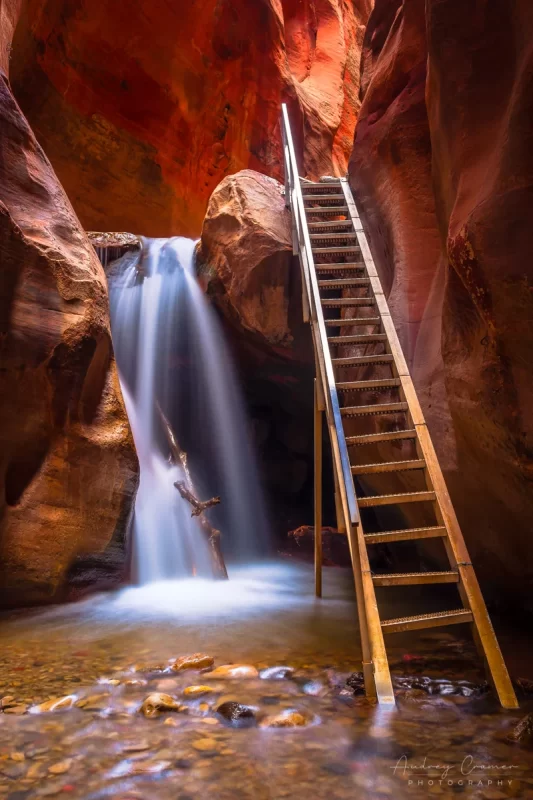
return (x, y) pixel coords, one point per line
(68, 469)
(443, 172)
(143, 107)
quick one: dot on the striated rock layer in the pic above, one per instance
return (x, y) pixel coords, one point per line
(443, 169)
(67, 462)
(144, 107)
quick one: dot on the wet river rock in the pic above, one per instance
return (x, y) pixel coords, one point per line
(233, 671)
(356, 682)
(236, 713)
(289, 718)
(198, 691)
(55, 704)
(196, 661)
(276, 673)
(157, 703)
(523, 731)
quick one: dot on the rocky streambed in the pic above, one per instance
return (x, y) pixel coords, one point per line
(254, 692)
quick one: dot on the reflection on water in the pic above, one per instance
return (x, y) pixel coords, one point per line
(110, 652)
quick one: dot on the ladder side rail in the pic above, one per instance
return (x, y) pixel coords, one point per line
(340, 451)
(288, 168)
(469, 588)
(456, 548)
(306, 288)
(296, 235)
(289, 188)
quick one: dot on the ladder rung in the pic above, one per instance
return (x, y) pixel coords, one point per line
(388, 436)
(407, 535)
(332, 196)
(434, 620)
(342, 302)
(337, 323)
(332, 236)
(350, 266)
(393, 499)
(388, 466)
(319, 185)
(327, 210)
(375, 408)
(415, 578)
(336, 223)
(360, 338)
(344, 283)
(360, 361)
(336, 249)
(356, 386)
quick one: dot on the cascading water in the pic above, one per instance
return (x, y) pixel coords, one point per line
(172, 356)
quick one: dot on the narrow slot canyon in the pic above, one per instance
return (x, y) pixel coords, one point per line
(266, 390)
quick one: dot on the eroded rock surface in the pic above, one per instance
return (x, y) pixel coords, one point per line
(246, 247)
(68, 468)
(143, 109)
(442, 169)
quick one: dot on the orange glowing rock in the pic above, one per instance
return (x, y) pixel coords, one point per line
(142, 112)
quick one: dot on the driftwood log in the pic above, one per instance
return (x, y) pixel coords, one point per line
(198, 507)
(186, 490)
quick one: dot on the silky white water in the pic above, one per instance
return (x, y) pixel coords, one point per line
(172, 357)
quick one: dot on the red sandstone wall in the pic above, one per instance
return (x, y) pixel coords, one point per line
(443, 168)
(9, 15)
(68, 469)
(144, 106)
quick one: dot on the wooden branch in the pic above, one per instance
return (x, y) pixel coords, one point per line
(177, 454)
(186, 490)
(198, 506)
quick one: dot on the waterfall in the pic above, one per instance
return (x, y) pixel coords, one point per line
(171, 354)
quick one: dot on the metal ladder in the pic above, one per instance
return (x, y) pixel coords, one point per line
(344, 303)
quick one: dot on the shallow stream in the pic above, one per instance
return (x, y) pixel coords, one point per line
(111, 651)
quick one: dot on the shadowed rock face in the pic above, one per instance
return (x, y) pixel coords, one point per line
(67, 462)
(443, 168)
(143, 107)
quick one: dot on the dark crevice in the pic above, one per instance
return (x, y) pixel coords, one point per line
(23, 468)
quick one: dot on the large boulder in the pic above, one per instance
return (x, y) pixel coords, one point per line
(144, 107)
(442, 168)
(247, 244)
(245, 260)
(68, 469)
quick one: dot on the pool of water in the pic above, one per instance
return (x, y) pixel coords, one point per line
(108, 653)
